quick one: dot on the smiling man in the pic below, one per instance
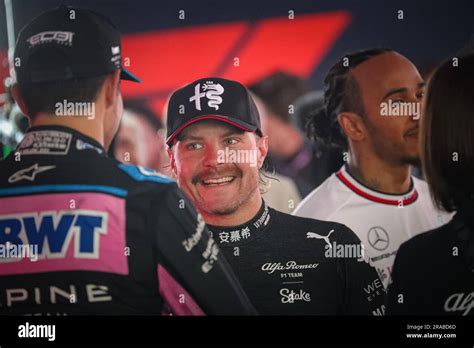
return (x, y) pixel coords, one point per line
(286, 264)
(371, 109)
(106, 238)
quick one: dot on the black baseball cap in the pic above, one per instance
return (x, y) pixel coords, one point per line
(212, 98)
(68, 43)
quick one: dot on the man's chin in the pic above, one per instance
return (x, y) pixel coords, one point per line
(219, 209)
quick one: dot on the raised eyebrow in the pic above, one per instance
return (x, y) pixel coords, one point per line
(403, 89)
(395, 91)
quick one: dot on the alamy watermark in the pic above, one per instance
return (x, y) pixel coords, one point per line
(336, 250)
(28, 330)
(65, 108)
(15, 252)
(410, 109)
(237, 156)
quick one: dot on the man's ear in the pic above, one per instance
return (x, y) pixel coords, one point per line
(352, 125)
(262, 147)
(19, 100)
(172, 160)
(111, 89)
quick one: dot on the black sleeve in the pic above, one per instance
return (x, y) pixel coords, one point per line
(193, 274)
(364, 291)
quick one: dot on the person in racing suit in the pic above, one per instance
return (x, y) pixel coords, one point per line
(81, 233)
(286, 264)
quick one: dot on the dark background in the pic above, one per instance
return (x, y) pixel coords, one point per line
(430, 32)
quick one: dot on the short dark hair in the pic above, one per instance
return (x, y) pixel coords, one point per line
(279, 90)
(341, 93)
(446, 133)
(43, 96)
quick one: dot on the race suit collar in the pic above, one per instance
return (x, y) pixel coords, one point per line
(234, 235)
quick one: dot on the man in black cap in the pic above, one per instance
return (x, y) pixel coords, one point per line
(287, 265)
(83, 233)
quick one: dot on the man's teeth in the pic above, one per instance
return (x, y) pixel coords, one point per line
(218, 181)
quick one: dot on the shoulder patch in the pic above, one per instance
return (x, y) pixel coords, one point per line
(140, 173)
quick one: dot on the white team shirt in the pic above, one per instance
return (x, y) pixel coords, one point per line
(381, 221)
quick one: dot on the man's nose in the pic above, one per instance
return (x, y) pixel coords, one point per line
(212, 156)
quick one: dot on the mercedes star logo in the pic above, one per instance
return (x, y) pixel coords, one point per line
(378, 238)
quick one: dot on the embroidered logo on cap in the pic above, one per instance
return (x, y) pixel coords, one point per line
(59, 37)
(209, 90)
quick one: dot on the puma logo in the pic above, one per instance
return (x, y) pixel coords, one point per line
(318, 236)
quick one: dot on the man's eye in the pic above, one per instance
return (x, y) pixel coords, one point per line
(231, 141)
(420, 94)
(194, 146)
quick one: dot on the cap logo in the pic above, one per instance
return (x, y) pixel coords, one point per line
(115, 50)
(209, 90)
(59, 37)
